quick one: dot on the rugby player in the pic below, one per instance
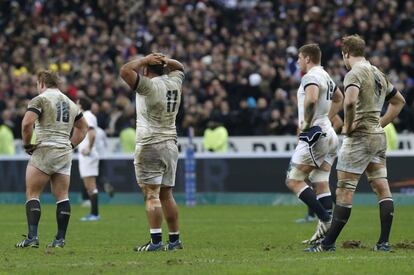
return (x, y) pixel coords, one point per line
(364, 146)
(158, 97)
(54, 115)
(319, 99)
(89, 159)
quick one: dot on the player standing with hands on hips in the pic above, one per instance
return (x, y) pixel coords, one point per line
(319, 101)
(54, 115)
(364, 146)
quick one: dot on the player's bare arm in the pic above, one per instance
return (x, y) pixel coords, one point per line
(351, 96)
(337, 123)
(28, 122)
(396, 103)
(173, 65)
(336, 106)
(80, 129)
(129, 71)
(311, 97)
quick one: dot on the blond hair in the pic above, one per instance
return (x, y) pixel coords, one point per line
(48, 78)
(353, 45)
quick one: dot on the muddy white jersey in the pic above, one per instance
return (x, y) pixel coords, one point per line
(157, 102)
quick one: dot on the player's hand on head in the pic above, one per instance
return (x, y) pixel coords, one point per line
(159, 54)
(155, 59)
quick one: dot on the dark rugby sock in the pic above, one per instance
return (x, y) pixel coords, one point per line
(33, 216)
(311, 213)
(386, 207)
(94, 203)
(308, 196)
(156, 235)
(326, 200)
(340, 218)
(62, 218)
(173, 236)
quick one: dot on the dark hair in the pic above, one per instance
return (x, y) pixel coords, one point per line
(312, 51)
(157, 69)
(353, 45)
(49, 78)
(85, 103)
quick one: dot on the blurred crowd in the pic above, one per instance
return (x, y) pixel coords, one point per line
(240, 56)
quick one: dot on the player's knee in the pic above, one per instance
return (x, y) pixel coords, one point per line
(377, 174)
(151, 194)
(151, 197)
(347, 185)
(293, 175)
(378, 181)
(318, 175)
(151, 203)
(345, 191)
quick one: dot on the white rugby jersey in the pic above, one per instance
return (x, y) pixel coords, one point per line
(317, 75)
(101, 141)
(57, 114)
(92, 123)
(157, 102)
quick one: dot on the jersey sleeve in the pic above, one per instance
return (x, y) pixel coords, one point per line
(308, 80)
(94, 123)
(351, 79)
(391, 91)
(35, 105)
(91, 120)
(144, 86)
(177, 76)
(79, 115)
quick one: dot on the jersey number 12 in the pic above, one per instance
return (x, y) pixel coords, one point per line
(330, 90)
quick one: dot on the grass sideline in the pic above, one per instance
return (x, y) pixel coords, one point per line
(217, 240)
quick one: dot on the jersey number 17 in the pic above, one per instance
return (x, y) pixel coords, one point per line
(172, 100)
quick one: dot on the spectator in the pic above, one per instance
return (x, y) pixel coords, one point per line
(127, 138)
(392, 137)
(232, 53)
(215, 137)
(6, 140)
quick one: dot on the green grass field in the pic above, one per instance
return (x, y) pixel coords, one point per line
(217, 240)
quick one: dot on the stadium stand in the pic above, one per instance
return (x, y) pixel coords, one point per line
(240, 56)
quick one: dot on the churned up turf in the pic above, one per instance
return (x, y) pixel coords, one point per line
(217, 240)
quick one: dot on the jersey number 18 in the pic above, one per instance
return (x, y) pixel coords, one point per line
(62, 111)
